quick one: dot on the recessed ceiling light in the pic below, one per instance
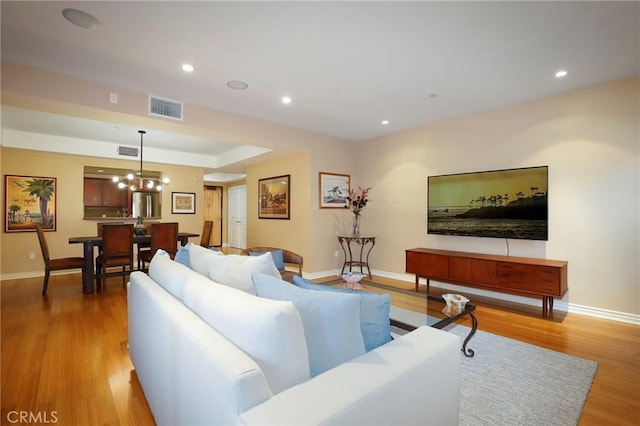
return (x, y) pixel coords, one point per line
(187, 68)
(237, 85)
(561, 73)
(80, 18)
(286, 100)
(385, 122)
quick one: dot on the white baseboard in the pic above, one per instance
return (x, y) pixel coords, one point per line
(35, 274)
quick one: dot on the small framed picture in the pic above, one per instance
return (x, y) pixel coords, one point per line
(183, 202)
(274, 197)
(30, 200)
(334, 190)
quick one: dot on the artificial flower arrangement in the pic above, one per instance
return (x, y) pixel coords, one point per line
(357, 201)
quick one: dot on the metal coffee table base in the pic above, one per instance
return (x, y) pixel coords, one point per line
(443, 322)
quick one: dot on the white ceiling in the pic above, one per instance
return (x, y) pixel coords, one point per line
(347, 65)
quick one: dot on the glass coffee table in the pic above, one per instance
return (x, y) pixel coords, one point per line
(439, 316)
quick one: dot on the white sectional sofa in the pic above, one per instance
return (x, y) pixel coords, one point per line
(206, 353)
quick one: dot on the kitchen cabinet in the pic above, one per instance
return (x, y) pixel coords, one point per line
(104, 193)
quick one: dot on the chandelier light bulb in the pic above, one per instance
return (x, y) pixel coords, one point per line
(121, 185)
(115, 179)
(130, 176)
(165, 180)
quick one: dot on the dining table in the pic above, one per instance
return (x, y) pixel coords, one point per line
(88, 243)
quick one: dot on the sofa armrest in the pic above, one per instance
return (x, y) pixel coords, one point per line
(413, 380)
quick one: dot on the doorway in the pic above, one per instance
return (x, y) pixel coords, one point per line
(238, 216)
(213, 211)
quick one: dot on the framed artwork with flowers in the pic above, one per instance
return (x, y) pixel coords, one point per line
(29, 200)
(333, 190)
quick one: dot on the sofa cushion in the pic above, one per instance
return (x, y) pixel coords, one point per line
(271, 332)
(374, 312)
(235, 270)
(331, 321)
(168, 274)
(277, 255)
(198, 256)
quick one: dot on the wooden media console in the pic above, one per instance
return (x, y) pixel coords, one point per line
(507, 274)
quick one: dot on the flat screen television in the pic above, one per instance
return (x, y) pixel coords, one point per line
(509, 203)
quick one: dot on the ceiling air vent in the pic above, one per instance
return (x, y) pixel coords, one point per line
(128, 151)
(165, 108)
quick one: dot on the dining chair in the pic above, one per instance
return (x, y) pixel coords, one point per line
(144, 246)
(205, 241)
(163, 236)
(117, 251)
(55, 264)
(99, 226)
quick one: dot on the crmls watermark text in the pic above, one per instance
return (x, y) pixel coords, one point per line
(32, 417)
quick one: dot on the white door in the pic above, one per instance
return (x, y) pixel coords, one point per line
(238, 216)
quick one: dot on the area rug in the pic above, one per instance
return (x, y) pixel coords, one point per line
(509, 382)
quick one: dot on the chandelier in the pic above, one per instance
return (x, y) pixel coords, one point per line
(137, 181)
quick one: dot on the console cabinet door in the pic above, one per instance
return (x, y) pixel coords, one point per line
(469, 270)
(427, 264)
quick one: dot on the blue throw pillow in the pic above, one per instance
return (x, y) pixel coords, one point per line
(182, 256)
(330, 321)
(374, 312)
(276, 255)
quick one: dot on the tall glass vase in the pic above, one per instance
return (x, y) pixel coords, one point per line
(356, 224)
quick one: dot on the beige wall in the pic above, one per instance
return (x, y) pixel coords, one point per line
(292, 234)
(69, 171)
(589, 138)
(311, 231)
(590, 141)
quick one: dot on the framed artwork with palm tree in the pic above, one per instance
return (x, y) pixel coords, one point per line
(29, 200)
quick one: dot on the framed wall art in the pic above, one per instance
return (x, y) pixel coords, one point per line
(183, 202)
(29, 200)
(334, 190)
(274, 197)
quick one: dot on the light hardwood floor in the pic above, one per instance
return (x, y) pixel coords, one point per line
(65, 357)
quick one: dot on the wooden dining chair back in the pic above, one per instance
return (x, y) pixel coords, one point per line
(144, 246)
(205, 241)
(163, 236)
(55, 264)
(117, 251)
(99, 226)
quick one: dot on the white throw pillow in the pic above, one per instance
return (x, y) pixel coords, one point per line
(235, 270)
(198, 256)
(168, 274)
(331, 321)
(269, 331)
